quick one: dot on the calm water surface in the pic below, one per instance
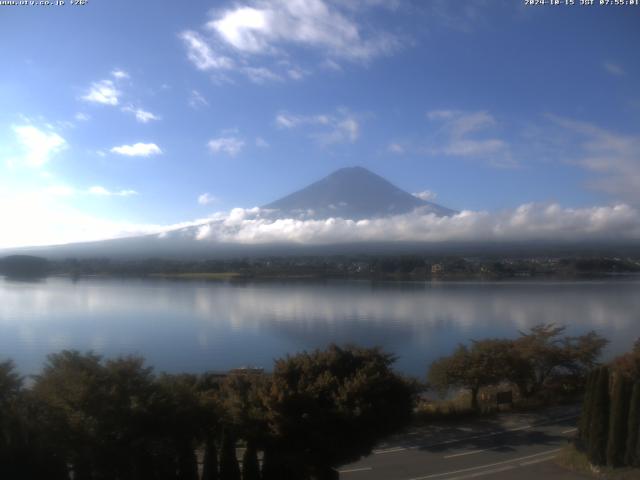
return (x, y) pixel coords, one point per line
(197, 326)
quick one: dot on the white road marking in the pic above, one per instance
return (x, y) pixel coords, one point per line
(570, 430)
(474, 437)
(353, 470)
(487, 472)
(472, 452)
(389, 450)
(479, 467)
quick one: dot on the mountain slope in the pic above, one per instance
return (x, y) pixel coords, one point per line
(354, 193)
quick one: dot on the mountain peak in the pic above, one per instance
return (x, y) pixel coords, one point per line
(351, 192)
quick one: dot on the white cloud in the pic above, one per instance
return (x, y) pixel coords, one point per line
(119, 74)
(396, 148)
(229, 145)
(103, 92)
(463, 134)
(246, 35)
(142, 116)
(81, 117)
(261, 75)
(261, 143)
(101, 191)
(206, 199)
(137, 150)
(613, 69)
(38, 145)
(196, 100)
(612, 156)
(529, 222)
(427, 195)
(202, 55)
(340, 127)
(267, 25)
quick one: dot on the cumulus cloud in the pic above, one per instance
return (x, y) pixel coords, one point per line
(249, 33)
(427, 195)
(529, 222)
(38, 145)
(229, 145)
(81, 117)
(119, 74)
(206, 199)
(141, 115)
(339, 127)
(137, 150)
(103, 92)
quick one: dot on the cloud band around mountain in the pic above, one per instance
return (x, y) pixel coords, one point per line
(529, 222)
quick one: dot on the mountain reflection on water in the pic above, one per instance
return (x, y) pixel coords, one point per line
(197, 326)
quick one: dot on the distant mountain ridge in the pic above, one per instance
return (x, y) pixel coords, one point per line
(353, 193)
(349, 193)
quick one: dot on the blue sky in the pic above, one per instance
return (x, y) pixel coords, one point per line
(125, 117)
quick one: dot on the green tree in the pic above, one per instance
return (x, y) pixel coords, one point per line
(330, 407)
(616, 442)
(484, 363)
(598, 431)
(633, 428)
(250, 465)
(587, 406)
(72, 390)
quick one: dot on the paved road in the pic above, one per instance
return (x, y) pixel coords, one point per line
(509, 446)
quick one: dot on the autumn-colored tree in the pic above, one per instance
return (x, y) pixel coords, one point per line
(483, 363)
(543, 352)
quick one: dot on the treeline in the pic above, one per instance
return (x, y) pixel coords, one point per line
(88, 418)
(358, 266)
(609, 428)
(542, 361)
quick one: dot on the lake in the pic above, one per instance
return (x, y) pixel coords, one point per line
(196, 326)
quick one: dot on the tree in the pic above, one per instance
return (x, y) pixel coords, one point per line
(598, 430)
(485, 363)
(544, 353)
(633, 428)
(72, 389)
(329, 407)
(229, 469)
(629, 363)
(210, 461)
(617, 436)
(250, 465)
(587, 407)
